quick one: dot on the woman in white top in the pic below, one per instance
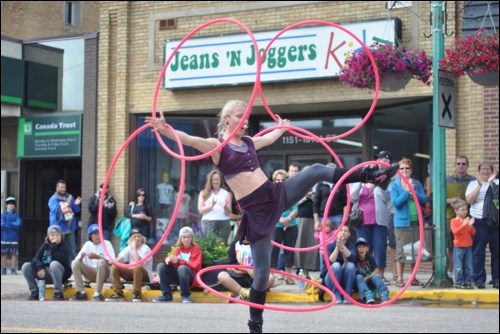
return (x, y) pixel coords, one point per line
(475, 195)
(214, 204)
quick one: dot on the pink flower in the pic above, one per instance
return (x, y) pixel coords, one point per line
(474, 54)
(358, 70)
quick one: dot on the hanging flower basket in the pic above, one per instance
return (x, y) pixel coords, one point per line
(488, 78)
(392, 82)
(396, 66)
(476, 55)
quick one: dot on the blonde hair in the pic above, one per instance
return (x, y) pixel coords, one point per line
(205, 193)
(485, 164)
(226, 111)
(281, 172)
(179, 242)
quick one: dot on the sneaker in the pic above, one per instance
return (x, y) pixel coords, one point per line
(481, 285)
(98, 297)
(137, 297)
(338, 301)
(4, 271)
(459, 286)
(115, 297)
(79, 296)
(186, 300)
(58, 295)
(255, 326)
(33, 295)
(467, 286)
(370, 301)
(244, 293)
(235, 297)
(495, 285)
(13, 271)
(346, 301)
(162, 299)
(384, 297)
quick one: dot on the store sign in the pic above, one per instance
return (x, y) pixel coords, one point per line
(49, 136)
(299, 54)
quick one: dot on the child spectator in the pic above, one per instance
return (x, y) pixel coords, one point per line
(367, 276)
(181, 267)
(318, 235)
(11, 222)
(463, 232)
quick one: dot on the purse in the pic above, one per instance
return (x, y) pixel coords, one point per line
(355, 218)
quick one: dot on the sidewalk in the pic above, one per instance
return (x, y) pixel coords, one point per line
(15, 287)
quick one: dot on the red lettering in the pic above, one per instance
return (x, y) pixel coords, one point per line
(331, 51)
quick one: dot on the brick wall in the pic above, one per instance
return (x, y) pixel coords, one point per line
(21, 19)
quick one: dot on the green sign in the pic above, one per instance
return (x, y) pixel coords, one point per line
(49, 136)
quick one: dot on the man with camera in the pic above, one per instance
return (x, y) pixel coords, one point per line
(109, 212)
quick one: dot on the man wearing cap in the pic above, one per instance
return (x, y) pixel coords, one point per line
(367, 275)
(11, 222)
(62, 209)
(50, 263)
(135, 251)
(92, 263)
(181, 267)
(108, 214)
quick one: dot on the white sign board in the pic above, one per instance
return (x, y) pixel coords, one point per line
(446, 104)
(309, 52)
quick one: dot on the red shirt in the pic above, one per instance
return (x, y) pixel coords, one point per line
(191, 257)
(462, 233)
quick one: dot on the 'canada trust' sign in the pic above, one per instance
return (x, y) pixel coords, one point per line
(309, 52)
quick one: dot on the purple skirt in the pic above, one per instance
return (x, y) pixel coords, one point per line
(261, 210)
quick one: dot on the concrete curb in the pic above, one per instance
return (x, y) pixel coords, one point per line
(438, 295)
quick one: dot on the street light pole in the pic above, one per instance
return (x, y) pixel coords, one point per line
(438, 150)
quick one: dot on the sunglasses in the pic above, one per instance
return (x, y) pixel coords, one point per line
(461, 164)
(141, 195)
(404, 168)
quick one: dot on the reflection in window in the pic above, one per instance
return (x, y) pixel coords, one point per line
(73, 72)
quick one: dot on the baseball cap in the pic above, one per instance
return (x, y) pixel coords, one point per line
(361, 241)
(53, 229)
(186, 230)
(384, 154)
(10, 200)
(135, 231)
(92, 229)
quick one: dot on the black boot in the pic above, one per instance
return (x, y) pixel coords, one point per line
(380, 177)
(255, 326)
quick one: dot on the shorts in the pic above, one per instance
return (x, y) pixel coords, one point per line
(244, 281)
(11, 249)
(404, 236)
(261, 210)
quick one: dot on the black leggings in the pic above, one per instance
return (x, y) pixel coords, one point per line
(296, 187)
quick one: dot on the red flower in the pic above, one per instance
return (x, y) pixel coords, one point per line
(358, 70)
(475, 54)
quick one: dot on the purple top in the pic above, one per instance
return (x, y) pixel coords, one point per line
(233, 162)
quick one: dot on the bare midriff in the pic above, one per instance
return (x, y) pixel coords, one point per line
(244, 183)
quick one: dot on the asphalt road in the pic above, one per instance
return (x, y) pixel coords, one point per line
(19, 316)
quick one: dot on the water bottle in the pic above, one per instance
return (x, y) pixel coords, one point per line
(41, 289)
(301, 281)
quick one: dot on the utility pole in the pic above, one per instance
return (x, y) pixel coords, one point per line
(438, 150)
